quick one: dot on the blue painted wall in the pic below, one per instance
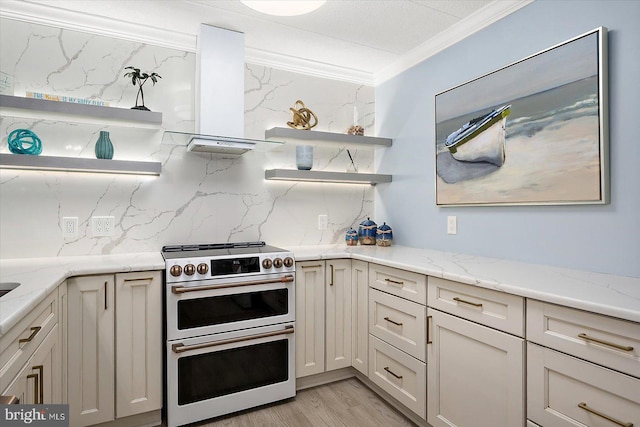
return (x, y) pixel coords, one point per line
(602, 238)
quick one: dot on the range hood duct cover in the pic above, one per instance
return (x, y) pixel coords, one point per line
(219, 109)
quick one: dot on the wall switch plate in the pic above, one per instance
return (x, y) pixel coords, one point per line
(70, 226)
(102, 225)
(452, 225)
(323, 222)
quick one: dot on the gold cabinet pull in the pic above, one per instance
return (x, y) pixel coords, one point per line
(429, 330)
(35, 387)
(386, 368)
(607, 343)
(34, 332)
(391, 321)
(40, 369)
(395, 282)
(605, 416)
(475, 304)
(331, 282)
(311, 266)
(106, 304)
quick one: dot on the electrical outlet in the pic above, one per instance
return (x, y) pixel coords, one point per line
(102, 225)
(452, 225)
(70, 226)
(323, 222)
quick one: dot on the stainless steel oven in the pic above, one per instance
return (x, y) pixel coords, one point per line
(230, 315)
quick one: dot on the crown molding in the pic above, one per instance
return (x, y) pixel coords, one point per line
(486, 16)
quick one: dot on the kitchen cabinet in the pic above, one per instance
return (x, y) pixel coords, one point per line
(397, 338)
(360, 316)
(30, 355)
(106, 313)
(582, 368)
(475, 372)
(16, 106)
(323, 316)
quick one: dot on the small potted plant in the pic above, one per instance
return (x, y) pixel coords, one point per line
(138, 78)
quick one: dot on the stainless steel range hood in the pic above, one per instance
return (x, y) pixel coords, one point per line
(219, 109)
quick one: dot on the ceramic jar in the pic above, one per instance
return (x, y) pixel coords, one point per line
(367, 232)
(104, 147)
(384, 235)
(351, 238)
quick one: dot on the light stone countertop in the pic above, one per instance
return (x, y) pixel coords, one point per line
(39, 276)
(611, 295)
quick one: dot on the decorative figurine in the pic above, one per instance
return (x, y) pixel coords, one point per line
(367, 232)
(302, 117)
(138, 78)
(384, 235)
(351, 237)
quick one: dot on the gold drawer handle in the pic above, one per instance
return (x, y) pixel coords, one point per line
(475, 304)
(395, 282)
(607, 343)
(34, 332)
(386, 368)
(605, 416)
(311, 266)
(391, 321)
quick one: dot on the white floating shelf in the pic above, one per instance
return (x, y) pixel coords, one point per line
(323, 176)
(77, 164)
(113, 113)
(310, 136)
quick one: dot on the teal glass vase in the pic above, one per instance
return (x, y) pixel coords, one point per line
(104, 147)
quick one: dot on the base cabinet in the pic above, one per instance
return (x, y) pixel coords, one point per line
(475, 374)
(106, 313)
(360, 316)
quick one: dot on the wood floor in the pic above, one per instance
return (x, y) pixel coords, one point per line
(346, 403)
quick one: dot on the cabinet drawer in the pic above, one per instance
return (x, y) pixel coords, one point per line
(402, 376)
(495, 309)
(399, 322)
(17, 345)
(605, 340)
(558, 385)
(405, 284)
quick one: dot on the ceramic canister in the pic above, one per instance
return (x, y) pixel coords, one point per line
(384, 235)
(351, 238)
(367, 232)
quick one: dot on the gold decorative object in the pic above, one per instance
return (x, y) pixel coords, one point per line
(355, 130)
(302, 117)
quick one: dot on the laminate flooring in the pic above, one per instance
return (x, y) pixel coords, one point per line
(346, 403)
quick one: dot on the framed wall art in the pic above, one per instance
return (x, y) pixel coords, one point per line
(531, 133)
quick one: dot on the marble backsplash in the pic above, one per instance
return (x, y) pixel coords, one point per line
(198, 197)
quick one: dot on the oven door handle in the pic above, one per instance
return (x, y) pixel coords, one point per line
(182, 289)
(181, 348)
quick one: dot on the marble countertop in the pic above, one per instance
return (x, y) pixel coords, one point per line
(39, 276)
(616, 296)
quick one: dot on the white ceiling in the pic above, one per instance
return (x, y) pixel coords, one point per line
(364, 41)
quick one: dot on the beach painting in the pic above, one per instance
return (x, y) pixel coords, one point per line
(533, 132)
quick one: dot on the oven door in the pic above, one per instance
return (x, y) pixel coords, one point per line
(210, 376)
(221, 305)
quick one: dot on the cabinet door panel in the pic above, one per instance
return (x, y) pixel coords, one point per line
(359, 316)
(338, 314)
(309, 318)
(90, 353)
(139, 341)
(475, 375)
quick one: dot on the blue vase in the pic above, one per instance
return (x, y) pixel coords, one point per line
(104, 147)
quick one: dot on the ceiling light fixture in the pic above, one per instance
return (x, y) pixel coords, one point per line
(285, 7)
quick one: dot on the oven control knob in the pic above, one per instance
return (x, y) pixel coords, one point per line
(202, 268)
(175, 270)
(277, 263)
(267, 263)
(288, 262)
(189, 269)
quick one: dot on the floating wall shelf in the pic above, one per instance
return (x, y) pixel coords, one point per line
(310, 136)
(324, 176)
(112, 113)
(76, 164)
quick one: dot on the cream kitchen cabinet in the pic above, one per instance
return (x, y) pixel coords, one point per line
(106, 313)
(323, 316)
(360, 316)
(475, 373)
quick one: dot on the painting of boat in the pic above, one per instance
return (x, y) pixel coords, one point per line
(481, 139)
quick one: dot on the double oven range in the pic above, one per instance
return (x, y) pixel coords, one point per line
(230, 314)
